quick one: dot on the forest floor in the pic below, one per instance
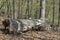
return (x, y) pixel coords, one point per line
(30, 35)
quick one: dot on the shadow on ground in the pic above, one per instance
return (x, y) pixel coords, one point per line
(5, 31)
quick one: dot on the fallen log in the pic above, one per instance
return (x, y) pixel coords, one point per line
(21, 25)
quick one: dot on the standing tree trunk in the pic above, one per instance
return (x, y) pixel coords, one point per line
(43, 10)
(28, 8)
(59, 15)
(10, 12)
(19, 9)
(13, 9)
(7, 13)
(53, 11)
(8, 5)
(31, 8)
(1, 6)
(35, 14)
(40, 8)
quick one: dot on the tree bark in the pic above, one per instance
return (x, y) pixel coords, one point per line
(28, 8)
(43, 10)
(53, 11)
(40, 8)
(13, 9)
(59, 15)
(19, 9)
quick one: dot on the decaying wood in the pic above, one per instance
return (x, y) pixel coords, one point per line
(21, 25)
